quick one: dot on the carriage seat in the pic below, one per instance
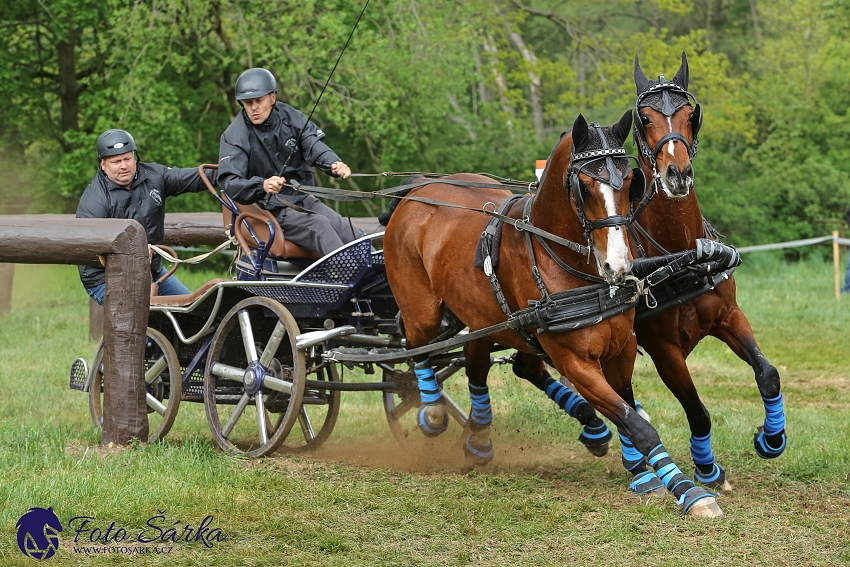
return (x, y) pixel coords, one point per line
(187, 299)
(280, 248)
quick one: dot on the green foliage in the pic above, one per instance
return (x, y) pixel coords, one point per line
(451, 86)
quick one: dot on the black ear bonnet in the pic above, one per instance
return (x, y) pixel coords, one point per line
(602, 158)
(665, 97)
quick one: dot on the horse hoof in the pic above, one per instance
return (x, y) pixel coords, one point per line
(477, 454)
(699, 502)
(705, 508)
(764, 449)
(596, 438)
(429, 428)
(598, 451)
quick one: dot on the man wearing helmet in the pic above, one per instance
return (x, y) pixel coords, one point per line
(124, 188)
(270, 143)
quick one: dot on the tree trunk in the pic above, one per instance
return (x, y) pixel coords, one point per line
(69, 88)
(534, 85)
(756, 29)
(501, 83)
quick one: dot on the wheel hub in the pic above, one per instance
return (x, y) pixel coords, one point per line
(253, 378)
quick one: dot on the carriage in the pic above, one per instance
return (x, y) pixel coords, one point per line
(268, 332)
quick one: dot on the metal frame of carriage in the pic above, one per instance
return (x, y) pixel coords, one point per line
(284, 333)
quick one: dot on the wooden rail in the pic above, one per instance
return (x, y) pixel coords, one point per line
(121, 246)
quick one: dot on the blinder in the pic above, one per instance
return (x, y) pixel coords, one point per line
(638, 186)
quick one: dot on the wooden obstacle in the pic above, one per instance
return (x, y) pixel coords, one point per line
(121, 246)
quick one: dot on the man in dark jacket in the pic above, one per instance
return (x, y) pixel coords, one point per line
(270, 143)
(124, 188)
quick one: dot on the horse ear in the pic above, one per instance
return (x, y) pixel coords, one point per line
(681, 77)
(641, 82)
(621, 129)
(580, 136)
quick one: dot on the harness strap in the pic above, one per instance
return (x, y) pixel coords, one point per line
(651, 240)
(490, 272)
(675, 137)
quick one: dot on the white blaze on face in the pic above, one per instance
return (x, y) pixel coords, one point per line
(617, 253)
(670, 143)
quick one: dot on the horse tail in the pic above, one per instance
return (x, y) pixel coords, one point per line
(384, 218)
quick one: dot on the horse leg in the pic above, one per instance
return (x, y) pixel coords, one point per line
(478, 447)
(735, 330)
(595, 435)
(693, 499)
(420, 326)
(670, 363)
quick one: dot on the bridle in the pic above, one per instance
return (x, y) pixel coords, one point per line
(668, 108)
(579, 162)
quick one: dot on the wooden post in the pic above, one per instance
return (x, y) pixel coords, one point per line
(7, 275)
(835, 264)
(95, 320)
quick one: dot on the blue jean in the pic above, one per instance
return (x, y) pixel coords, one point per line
(171, 286)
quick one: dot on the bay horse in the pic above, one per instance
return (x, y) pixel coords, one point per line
(429, 250)
(667, 119)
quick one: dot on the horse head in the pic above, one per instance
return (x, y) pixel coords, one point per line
(667, 119)
(599, 180)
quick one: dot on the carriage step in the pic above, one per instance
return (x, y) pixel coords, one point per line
(79, 371)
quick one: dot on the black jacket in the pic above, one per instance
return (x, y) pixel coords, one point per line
(143, 202)
(249, 154)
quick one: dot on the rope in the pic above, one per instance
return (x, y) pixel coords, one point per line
(195, 259)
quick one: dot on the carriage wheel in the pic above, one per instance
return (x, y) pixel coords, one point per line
(254, 378)
(162, 392)
(319, 411)
(402, 403)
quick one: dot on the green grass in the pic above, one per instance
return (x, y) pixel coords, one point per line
(361, 501)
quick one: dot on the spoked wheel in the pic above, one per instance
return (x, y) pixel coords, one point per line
(401, 404)
(319, 411)
(254, 378)
(163, 391)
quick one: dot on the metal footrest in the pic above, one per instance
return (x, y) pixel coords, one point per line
(79, 371)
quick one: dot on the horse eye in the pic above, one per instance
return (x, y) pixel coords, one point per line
(644, 119)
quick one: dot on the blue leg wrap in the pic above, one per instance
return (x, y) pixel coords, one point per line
(568, 400)
(482, 414)
(673, 478)
(774, 424)
(717, 476)
(644, 482)
(596, 437)
(683, 488)
(631, 456)
(701, 450)
(774, 415)
(429, 390)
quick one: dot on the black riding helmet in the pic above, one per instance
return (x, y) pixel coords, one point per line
(255, 83)
(115, 142)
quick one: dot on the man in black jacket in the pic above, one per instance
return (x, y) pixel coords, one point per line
(270, 143)
(125, 188)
